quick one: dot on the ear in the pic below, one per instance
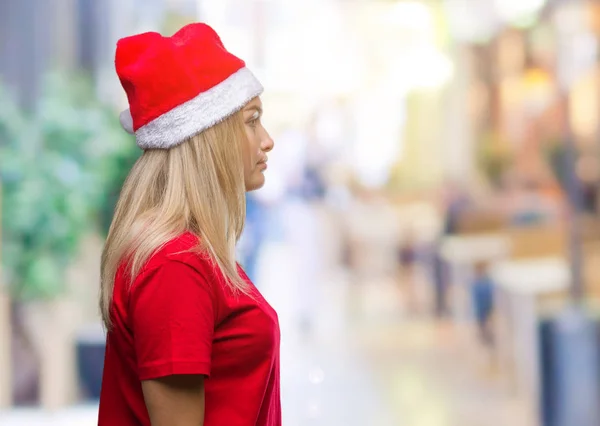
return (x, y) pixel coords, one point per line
(126, 121)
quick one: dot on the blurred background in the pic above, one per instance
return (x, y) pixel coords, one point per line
(428, 232)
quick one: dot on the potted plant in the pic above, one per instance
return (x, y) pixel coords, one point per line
(494, 157)
(59, 167)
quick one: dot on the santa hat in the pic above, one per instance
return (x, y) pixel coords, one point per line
(181, 85)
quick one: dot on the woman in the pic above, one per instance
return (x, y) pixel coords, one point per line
(190, 340)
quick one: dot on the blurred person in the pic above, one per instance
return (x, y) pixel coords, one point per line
(253, 237)
(455, 202)
(482, 294)
(407, 253)
(190, 339)
(440, 283)
(302, 227)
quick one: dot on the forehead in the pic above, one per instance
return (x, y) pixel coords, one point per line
(255, 103)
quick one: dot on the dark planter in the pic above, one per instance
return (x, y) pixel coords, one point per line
(90, 346)
(570, 369)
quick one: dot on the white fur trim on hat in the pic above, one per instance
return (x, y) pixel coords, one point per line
(200, 113)
(126, 121)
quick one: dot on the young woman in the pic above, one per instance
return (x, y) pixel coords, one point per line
(190, 340)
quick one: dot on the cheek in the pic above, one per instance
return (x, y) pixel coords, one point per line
(247, 150)
(253, 147)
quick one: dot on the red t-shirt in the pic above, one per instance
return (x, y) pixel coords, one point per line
(179, 317)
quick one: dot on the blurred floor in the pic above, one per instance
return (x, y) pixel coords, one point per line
(365, 362)
(435, 375)
(371, 362)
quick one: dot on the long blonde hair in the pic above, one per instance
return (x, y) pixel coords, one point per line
(197, 186)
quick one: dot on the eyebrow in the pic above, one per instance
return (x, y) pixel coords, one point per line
(254, 107)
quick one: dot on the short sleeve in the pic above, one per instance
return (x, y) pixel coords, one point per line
(172, 316)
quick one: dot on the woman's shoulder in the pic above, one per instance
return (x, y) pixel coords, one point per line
(181, 258)
(181, 243)
(184, 248)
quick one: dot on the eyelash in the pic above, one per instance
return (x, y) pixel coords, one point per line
(254, 121)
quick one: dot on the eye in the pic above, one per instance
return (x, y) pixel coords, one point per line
(254, 119)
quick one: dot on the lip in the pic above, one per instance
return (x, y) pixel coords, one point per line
(262, 164)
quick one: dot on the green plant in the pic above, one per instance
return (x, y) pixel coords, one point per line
(59, 168)
(494, 157)
(555, 155)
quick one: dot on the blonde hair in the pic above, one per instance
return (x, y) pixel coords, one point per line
(197, 186)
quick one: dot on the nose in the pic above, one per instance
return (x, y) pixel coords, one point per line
(267, 142)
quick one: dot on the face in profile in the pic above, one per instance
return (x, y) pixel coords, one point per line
(258, 145)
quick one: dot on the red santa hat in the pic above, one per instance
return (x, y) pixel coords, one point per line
(181, 85)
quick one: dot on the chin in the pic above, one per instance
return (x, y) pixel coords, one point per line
(255, 183)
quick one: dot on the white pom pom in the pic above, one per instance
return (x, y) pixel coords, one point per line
(126, 121)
